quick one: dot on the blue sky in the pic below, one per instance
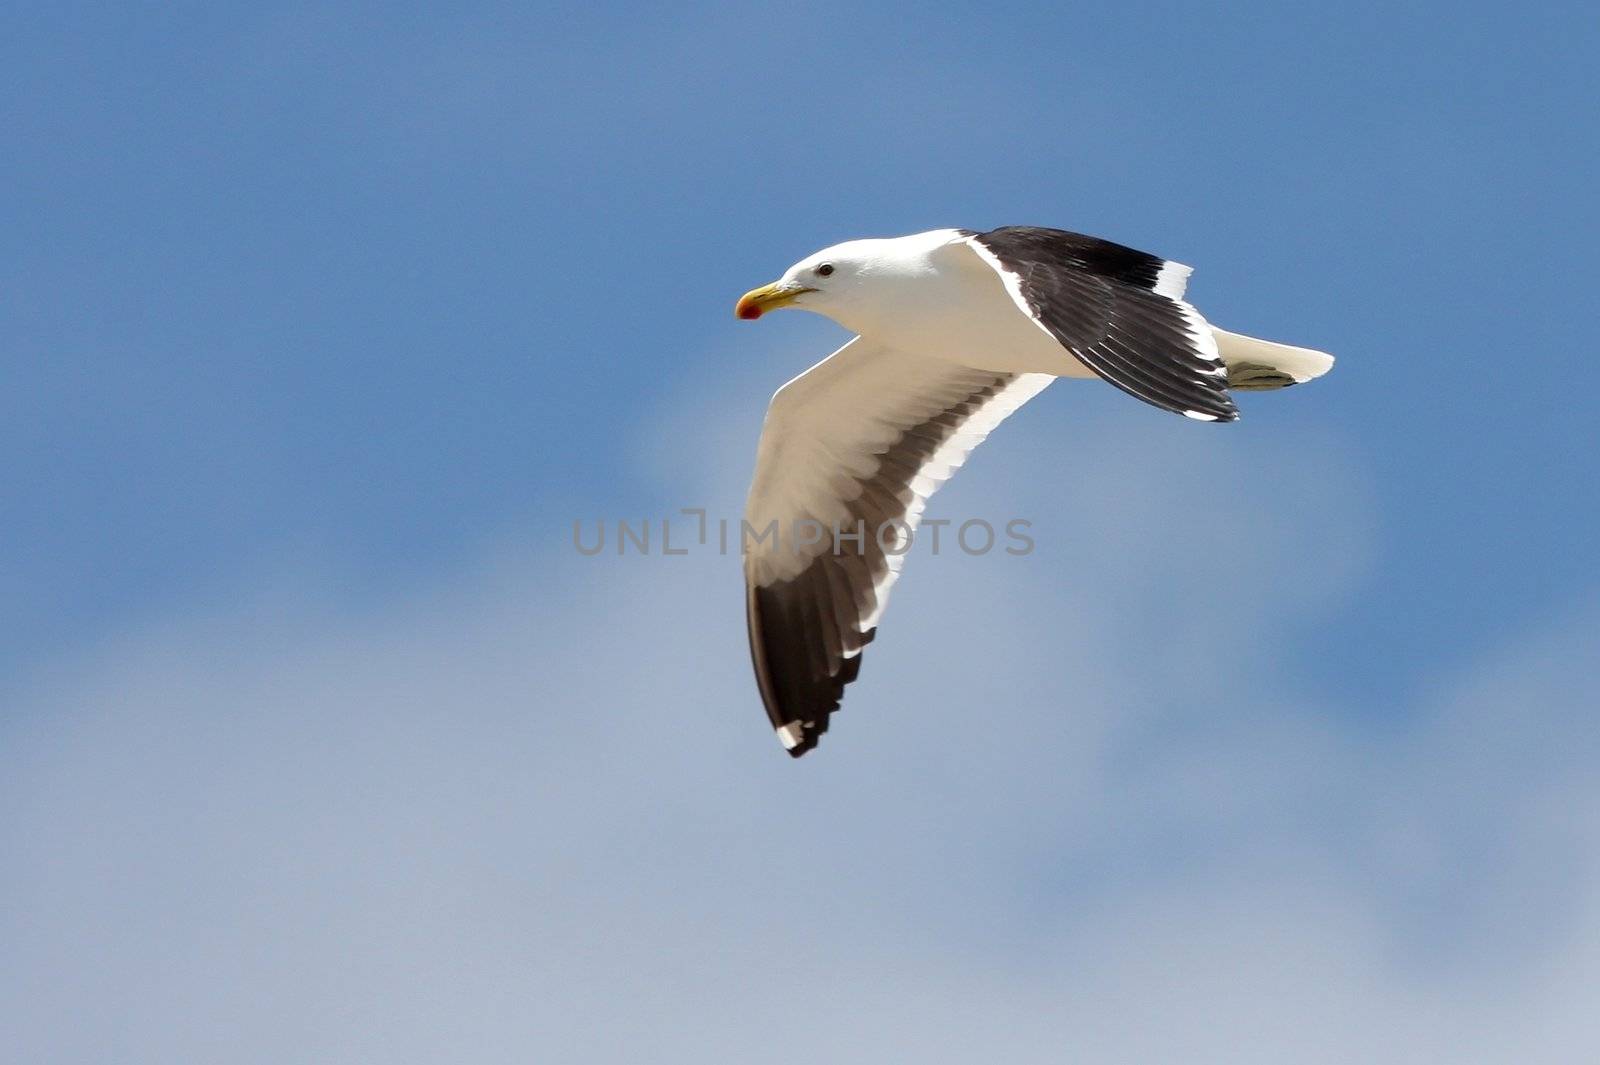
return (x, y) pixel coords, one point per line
(322, 324)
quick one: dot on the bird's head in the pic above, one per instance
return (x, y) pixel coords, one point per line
(828, 282)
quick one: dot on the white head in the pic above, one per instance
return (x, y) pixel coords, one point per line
(847, 281)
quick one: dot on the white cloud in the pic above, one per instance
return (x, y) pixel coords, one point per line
(1078, 807)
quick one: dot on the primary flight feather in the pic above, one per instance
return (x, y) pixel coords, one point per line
(957, 329)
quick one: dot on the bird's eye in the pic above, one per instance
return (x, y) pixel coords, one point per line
(825, 270)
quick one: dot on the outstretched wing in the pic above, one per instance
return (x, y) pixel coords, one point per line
(1119, 311)
(850, 452)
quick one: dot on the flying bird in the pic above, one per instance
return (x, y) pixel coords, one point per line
(956, 330)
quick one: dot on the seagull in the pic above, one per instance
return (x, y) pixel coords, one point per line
(956, 330)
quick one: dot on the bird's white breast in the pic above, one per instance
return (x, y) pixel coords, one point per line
(946, 303)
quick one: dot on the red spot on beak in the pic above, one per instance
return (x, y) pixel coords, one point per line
(748, 309)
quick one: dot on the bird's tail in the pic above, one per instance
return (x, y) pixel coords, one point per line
(1258, 365)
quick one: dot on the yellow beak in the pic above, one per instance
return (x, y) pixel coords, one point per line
(759, 301)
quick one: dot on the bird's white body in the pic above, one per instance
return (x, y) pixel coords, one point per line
(932, 294)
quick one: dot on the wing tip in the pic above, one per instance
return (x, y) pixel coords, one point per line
(1206, 416)
(796, 738)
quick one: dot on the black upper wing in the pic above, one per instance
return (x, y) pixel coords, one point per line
(1119, 311)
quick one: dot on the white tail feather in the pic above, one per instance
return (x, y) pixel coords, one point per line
(1255, 365)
